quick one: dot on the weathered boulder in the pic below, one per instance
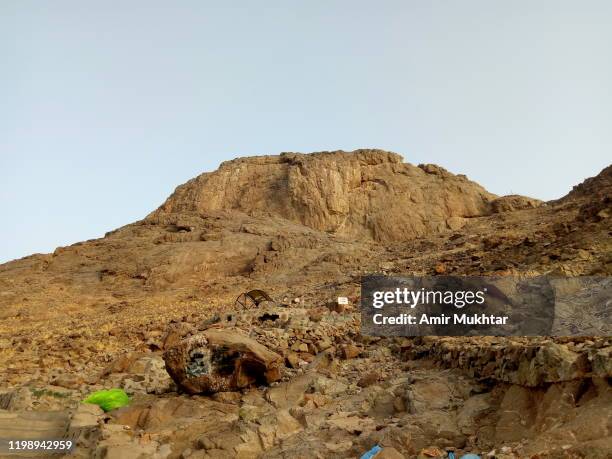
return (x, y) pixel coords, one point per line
(221, 360)
(514, 202)
(147, 375)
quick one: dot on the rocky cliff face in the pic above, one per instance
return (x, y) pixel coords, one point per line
(368, 194)
(594, 187)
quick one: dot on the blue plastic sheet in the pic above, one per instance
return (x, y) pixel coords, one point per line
(371, 453)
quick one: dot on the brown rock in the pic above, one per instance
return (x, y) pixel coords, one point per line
(516, 415)
(221, 360)
(432, 451)
(368, 379)
(227, 397)
(277, 427)
(293, 360)
(323, 344)
(175, 333)
(318, 400)
(351, 424)
(121, 363)
(513, 203)
(68, 381)
(349, 351)
(389, 453)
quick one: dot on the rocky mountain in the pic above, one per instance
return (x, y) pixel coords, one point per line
(304, 228)
(366, 194)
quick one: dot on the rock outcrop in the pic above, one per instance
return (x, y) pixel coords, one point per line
(513, 203)
(367, 194)
(529, 362)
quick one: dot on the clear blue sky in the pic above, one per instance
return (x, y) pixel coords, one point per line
(106, 106)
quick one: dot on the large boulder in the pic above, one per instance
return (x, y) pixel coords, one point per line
(221, 360)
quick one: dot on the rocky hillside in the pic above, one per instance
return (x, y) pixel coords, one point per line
(304, 228)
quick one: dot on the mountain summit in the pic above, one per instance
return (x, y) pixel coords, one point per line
(364, 194)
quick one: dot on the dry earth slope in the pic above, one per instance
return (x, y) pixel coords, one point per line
(304, 227)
